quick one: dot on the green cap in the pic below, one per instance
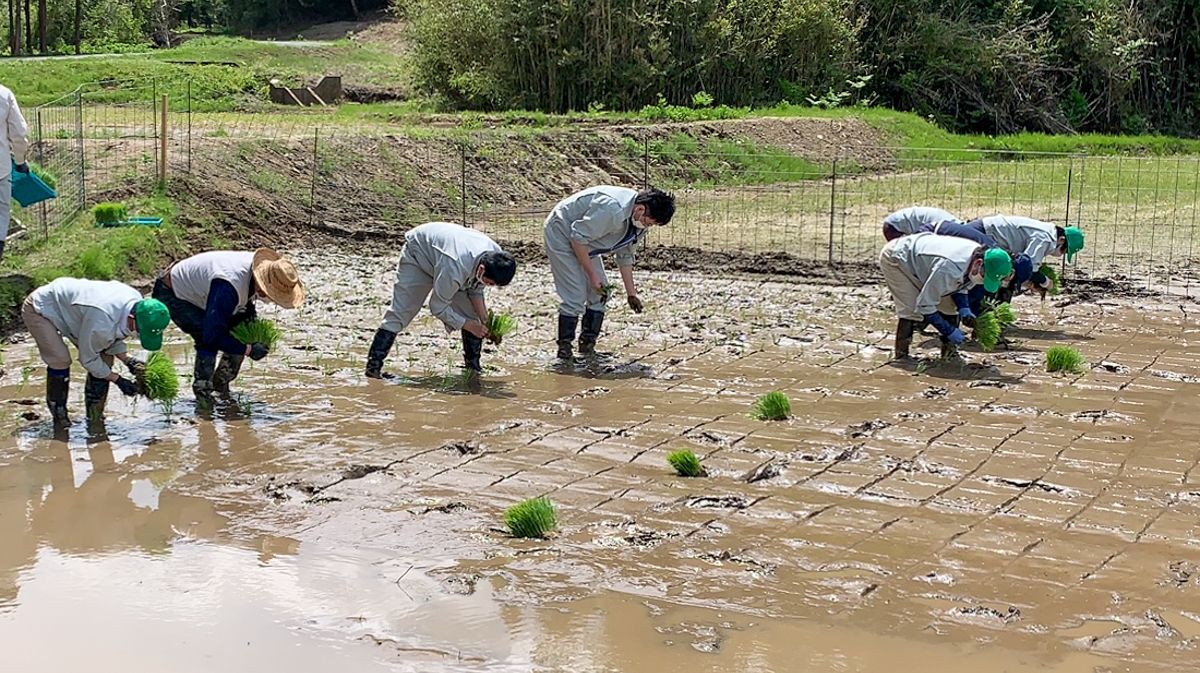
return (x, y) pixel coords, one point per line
(997, 265)
(152, 318)
(1074, 242)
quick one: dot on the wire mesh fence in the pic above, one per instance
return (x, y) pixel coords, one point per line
(370, 177)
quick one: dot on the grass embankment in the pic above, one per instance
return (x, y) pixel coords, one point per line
(225, 73)
(80, 249)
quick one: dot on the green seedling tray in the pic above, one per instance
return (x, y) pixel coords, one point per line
(134, 221)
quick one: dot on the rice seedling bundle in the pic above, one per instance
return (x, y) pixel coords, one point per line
(110, 213)
(533, 518)
(45, 176)
(258, 331)
(773, 406)
(1005, 314)
(607, 291)
(161, 380)
(501, 324)
(987, 330)
(1051, 273)
(1064, 359)
(686, 464)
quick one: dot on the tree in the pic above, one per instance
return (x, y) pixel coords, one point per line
(42, 27)
(78, 26)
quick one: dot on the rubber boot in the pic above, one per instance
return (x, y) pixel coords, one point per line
(566, 335)
(590, 331)
(904, 337)
(202, 377)
(381, 345)
(227, 370)
(472, 349)
(95, 396)
(1, 250)
(58, 384)
(949, 350)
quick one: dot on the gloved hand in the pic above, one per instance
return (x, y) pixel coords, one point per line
(258, 351)
(636, 304)
(956, 337)
(128, 387)
(967, 316)
(136, 367)
(23, 168)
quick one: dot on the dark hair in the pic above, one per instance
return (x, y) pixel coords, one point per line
(1060, 232)
(659, 204)
(499, 267)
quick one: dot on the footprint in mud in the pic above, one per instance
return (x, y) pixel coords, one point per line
(983, 613)
(598, 391)
(752, 565)
(447, 508)
(468, 448)
(718, 502)
(866, 428)
(282, 490)
(832, 454)
(1098, 415)
(1181, 573)
(630, 534)
(765, 472)
(935, 392)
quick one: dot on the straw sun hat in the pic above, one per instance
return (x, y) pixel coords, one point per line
(278, 278)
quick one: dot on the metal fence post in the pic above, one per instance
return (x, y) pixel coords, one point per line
(462, 165)
(316, 166)
(82, 166)
(189, 126)
(832, 204)
(646, 161)
(41, 153)
(1062, 271)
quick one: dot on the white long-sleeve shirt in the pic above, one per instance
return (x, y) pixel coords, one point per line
(913, 220)
(15, 138)
(92, 314)
(1025, 235)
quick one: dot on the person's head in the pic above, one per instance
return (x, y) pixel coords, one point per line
(652, 208)
(991, 267)
(1070, 242)
(150, 319)
(276, 279)
(496, 269)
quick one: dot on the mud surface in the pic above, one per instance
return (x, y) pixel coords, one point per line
(981, 516)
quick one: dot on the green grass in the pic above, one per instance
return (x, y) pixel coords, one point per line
(1064, 359)
(686, 464)
(773, 406)
(162, 381)
(258, 331)
(501, 324)
(214, 86)
(712, 161)
(535, 518)
(45, 176)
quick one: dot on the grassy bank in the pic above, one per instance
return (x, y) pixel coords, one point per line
(80, 249)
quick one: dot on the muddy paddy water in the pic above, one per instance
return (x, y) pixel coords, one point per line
(988, 517)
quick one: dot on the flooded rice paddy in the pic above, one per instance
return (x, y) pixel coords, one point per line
(986, 516)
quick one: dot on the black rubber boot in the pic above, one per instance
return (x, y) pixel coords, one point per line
(202, 377)
(949, 350)
(227, 370)
(566, 335)
(1, 250)
(472, 349)
(381, 345)
(590, 331)
(905, 329)
(57, 388)
(95, 396)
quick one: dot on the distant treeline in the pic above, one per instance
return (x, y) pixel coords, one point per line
(992, 66)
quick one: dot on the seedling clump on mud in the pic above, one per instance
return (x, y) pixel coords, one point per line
(1055, 282)
(1064, 359)
(161, 380)
(773, 406)
(500, 324)
(533, 518)
(258, 331)
(686, 464)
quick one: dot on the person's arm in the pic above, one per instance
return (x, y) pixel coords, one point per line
(943, 280)
(480, 305)
(18, 131)
(1038, 248)
(581, 255)
(631, 295)
(94, 340)
(218, 313)
(441, 304)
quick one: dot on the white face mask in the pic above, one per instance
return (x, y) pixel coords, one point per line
(639, 224)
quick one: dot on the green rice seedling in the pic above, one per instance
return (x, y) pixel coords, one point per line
(533, 518)
(161, 380)
(110, 213)
(45, 176)
(501, 324)
(686, 464)
(1005, 314)
(1055, 281)
(607, 291)
(258, 331)
(987, 330)
(1064, 359)
(773, 406)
